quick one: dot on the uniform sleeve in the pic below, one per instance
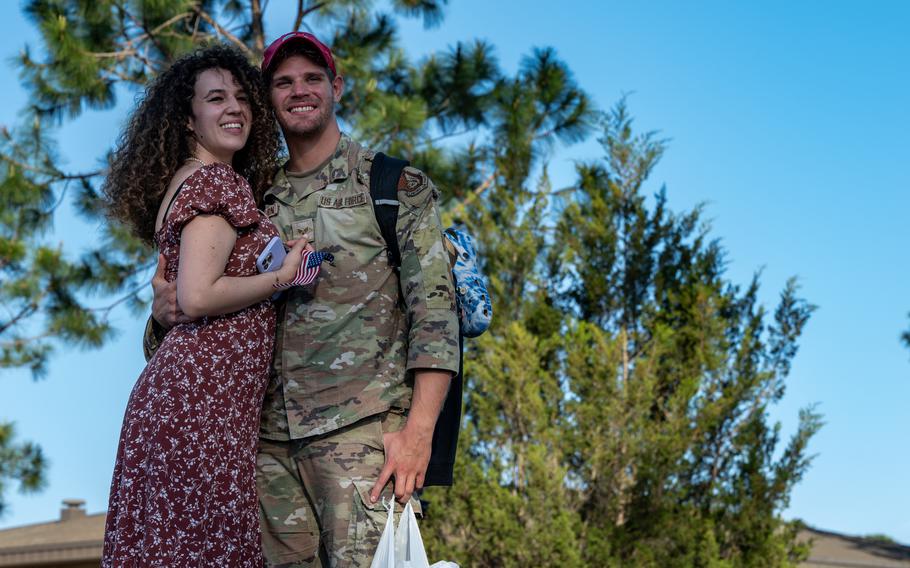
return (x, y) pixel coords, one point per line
(213, 190)
(426, 277)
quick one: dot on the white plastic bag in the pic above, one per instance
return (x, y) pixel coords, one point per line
(385, 552)
(408, 544)
(403, 548)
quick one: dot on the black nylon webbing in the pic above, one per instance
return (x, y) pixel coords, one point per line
(384, 175)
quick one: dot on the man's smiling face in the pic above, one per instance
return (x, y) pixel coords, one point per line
(304, 97)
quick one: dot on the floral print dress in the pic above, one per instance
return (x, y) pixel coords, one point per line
(183, 491)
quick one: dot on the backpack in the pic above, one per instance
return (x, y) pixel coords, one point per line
(471, 298)
(475, 311)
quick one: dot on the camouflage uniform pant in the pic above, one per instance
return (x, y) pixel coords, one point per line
(314, 493)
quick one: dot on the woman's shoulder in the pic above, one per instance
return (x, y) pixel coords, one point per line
(172, 194)
(212, 189)
(216, 182)
(214, 173)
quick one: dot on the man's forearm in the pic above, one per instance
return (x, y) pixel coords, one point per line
(430, 389)
(407, 452)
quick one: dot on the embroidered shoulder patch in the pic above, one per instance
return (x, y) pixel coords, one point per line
(412, 182)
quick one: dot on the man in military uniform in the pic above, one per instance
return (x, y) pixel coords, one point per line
(363, 358)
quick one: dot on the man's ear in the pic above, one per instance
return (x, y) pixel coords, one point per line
(337, 87)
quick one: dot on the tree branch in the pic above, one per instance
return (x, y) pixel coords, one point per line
(299, 19)
(302, 13)
(106, 310)
(120, 75)
(122, 54)
(27, 311)
(230, 37)
(56, 174)
(142, 26)
(130, 42)
(475, 194)
(22, 341)
(256, 25)
(442, 137)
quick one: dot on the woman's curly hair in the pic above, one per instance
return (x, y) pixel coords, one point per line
(157, 140)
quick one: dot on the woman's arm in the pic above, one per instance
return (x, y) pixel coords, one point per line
(206, 243)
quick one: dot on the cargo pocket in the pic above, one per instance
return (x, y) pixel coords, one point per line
(368, 519)
(288, 540)
(288, 527)
(367, 522)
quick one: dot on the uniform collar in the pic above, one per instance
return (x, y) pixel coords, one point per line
(336, 169)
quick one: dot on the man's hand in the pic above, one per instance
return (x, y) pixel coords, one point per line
(407, 453)
(165, 310)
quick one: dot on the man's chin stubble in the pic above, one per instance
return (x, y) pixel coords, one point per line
(305, 130)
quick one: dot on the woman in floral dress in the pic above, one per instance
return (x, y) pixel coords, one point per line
(189, 170)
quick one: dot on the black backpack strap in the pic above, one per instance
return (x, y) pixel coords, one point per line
(384, 175)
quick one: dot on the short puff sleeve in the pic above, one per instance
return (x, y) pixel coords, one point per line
(214, 189)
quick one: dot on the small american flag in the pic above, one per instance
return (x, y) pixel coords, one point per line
(310, 263)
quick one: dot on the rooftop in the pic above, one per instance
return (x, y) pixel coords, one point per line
(832, 549)
(77, 537)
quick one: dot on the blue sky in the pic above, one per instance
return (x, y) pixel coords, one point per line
(789, 120)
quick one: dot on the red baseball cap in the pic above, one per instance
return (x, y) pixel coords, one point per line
(305, 37)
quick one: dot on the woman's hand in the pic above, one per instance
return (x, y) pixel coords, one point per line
(292, 261)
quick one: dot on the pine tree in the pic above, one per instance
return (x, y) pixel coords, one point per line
(617, 411)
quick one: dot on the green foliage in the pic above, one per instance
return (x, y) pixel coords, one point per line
(42, 290)
(21, 462)
(622, 393)
(616, 413)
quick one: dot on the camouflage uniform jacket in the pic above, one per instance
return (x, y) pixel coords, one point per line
(347, 346)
